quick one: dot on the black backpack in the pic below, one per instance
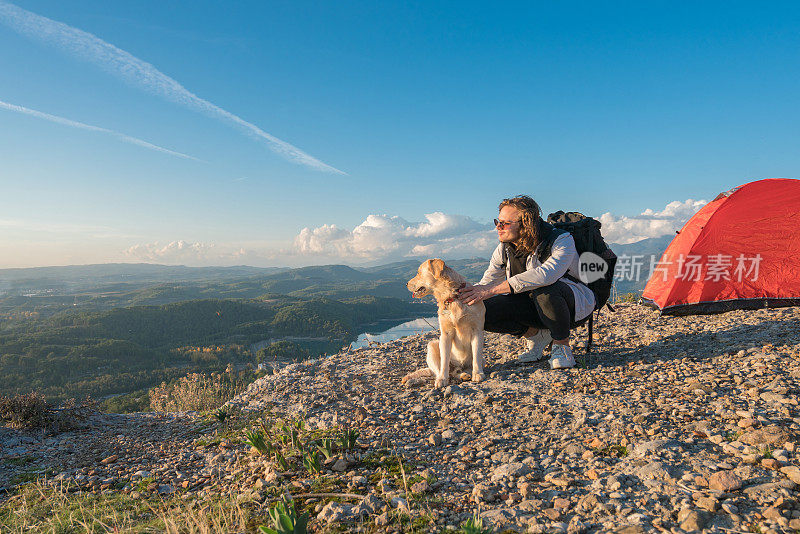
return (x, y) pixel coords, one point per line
(586, 234)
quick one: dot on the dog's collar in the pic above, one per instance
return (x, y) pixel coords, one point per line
(450, 300)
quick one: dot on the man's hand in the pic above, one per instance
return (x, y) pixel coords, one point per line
(470, 294)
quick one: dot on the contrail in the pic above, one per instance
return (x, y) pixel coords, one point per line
(139, 73)
(83, 126)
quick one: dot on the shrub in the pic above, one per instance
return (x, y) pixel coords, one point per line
(28, 410)
(32, 411)
(196, 392)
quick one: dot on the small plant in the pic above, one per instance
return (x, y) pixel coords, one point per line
(299, 425)
(766, 452)
(348, 439)
(255, 438)
(221, 415)
(285, 519)
(311, 462)
(474, 525)
(325, 446)
(281, 461)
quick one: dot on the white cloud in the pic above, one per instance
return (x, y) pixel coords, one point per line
(186, 253)
(139, 73)
(385, 238)
(649, 223)
(83, 126)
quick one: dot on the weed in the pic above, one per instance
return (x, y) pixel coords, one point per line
(221, 415)
(325, 446)
(732, 435)
(348, 439)
(281, 460)
(255, 438)
(766, 451)
(285, 519)
(311, 462)
(474, 525)
(613, 451)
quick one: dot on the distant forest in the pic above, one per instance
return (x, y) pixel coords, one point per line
(107, 330)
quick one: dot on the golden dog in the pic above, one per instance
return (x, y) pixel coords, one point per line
(461, 327)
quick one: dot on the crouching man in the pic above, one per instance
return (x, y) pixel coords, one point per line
(531, 287)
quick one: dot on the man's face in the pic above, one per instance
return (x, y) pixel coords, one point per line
(509, 233)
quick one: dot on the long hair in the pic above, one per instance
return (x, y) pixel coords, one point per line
(529, 225)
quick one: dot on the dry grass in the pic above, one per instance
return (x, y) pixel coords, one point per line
(197, 392)
(40, 507)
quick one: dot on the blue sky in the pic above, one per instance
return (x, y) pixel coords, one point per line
(433, 111)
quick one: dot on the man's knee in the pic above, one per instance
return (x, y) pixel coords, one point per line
(545, 297)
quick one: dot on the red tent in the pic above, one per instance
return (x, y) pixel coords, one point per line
(740, 251)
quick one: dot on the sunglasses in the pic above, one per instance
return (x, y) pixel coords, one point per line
(502, 224)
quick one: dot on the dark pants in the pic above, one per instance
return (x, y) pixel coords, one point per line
(550, 307)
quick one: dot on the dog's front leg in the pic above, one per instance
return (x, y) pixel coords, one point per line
(477, 356)
(445, 346)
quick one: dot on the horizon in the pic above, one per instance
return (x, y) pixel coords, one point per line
(285, 135)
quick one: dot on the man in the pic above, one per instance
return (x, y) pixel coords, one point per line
(528, 292)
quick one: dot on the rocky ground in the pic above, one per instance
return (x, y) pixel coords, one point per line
(673, 425)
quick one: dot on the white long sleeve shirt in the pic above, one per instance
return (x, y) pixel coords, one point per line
(563, 260)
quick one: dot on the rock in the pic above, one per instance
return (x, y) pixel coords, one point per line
(654, 446)
(419, 487)
(707, 503)
(359, 481)
(334, 512)
(382, 520)
(552, 513)
(483, 493)
(770, 463)
(165, 489)
(724, 481)
(561, 504)
(772, 514)
(692, 520)
(435, 439)
(448, 434)
(513, 469)
(110, 460)
(772, 435)
(792, 472)
(628, 529)
(340, 465)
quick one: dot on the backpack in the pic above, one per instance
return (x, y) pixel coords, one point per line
(586, 234)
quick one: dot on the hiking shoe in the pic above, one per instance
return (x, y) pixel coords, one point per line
(561, 357)
(535, 346)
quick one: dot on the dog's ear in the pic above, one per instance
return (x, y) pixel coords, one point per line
(437, 266)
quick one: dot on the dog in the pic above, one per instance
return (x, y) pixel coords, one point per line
(460, 342)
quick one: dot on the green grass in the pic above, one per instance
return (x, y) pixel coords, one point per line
(39, 507)
(612, 451)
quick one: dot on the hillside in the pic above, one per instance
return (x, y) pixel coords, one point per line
(74, 354)
(673, 425)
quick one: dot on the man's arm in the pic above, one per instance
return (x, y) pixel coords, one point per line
(562, 255)
(496, 270)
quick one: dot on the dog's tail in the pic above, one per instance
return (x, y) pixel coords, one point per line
(422, 373)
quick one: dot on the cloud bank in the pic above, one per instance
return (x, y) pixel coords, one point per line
(140, 74)
(384, 238)
(185, 253)
(83, 126)
(649, 223)
(392, 238)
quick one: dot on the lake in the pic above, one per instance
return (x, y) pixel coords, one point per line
(410, 328)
